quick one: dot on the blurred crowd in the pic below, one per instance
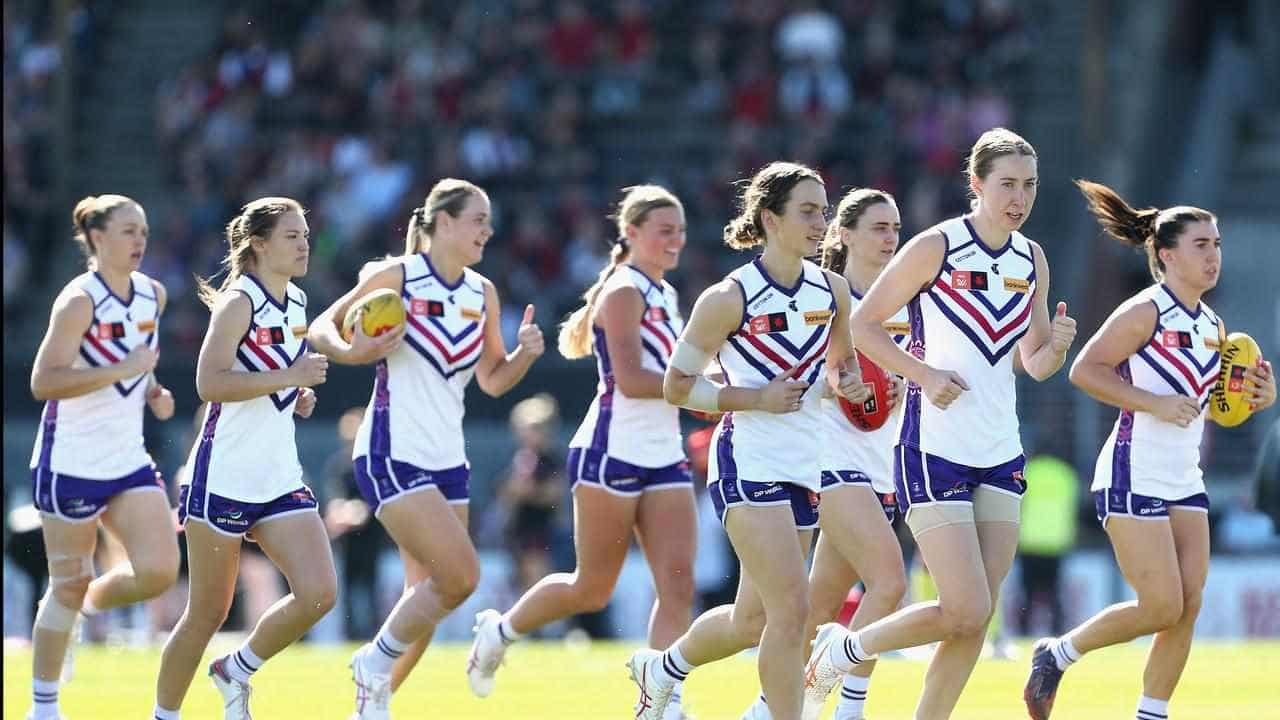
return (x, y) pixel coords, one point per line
(356, 108)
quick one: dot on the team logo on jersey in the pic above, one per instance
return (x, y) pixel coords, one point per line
(897, 328)
(771, 323)
(470, 313)
(110, 331)
(269, 336)
(817, 317)
(1017, 285)
(656, 314)
(1176, 339)
(1236, 381)
(969, 280)
(433, 308)
(146, 326)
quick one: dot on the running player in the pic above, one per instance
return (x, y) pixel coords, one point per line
(626, 461)
(772, 324)
(410, 458)
(857, 470)
(256, 374)
(93, 372)
(1156, 359)
(976, 290)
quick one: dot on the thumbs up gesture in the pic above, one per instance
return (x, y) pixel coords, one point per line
(529, 336)
(1063, 330)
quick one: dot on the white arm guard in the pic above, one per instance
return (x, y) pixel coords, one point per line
(705, 395)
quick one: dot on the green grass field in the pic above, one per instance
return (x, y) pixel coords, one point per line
(554, 680)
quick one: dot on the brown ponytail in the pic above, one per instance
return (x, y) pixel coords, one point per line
(634, 208)
(852, 206)
(450, 195)
(769, 189)
(93, 213)
(1150, 229)
(256, 219)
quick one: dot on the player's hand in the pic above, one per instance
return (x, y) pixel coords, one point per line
(140, 360)
(1063, 329)
(1263, 393)
(1177, 409)
(897, 389)
(783, 393)
(311, 369)
(306, 402)
(849, 383)
(529, 336)
(366, 349)
(942, 387)
(160, 400)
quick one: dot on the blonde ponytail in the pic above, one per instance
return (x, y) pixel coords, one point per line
(575, 333)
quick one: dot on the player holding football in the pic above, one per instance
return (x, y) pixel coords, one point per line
(773, 324)
(857, 469)
(1156, 359)
(976, 291)
(410, 457)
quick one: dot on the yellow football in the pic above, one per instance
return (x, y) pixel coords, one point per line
(380, 311)
(1228, 405)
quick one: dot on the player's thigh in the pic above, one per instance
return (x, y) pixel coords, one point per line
(299, 545)
(142, 521)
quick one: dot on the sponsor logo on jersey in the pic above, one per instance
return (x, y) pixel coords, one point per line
(656, 314)
(773, 489)
(771, 323)
(1176, 339)
(817, 317)
(897, 328)
(965, 256)
(146, 326)
(434, 308)
(764, 299)
(471, 313)
(110, 331)
(1017, 285)
(269, 336)
(969, 280)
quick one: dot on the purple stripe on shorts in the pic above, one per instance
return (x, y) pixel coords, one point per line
(1120, 454)
(724, 449)
(910, 433)
(49, 425)
(604, 415)
(200, 473)
(380, 432)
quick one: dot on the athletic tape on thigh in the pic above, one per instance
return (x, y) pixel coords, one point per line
(86, 568)
(994, 506)
(927, 517)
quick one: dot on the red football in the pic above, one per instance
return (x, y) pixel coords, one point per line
(874, 411)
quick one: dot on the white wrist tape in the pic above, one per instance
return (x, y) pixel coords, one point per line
(688, 359)
(705, 396)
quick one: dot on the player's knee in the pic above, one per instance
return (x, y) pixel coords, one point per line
(1161, 612)
(204, 621)
(455, 587)
(677, 587)
(154, 576)
(70, 592)
(892, 587)
(593, 595)
(965, 617)
(789, 613)
(318, 598)
(1192, 599)
(747, 627)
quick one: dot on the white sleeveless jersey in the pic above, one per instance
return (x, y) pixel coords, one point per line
(638, 431)
(1145, 454)
(98, 435)
(781, 328)
(247, 450)
(969, 320)
(847, 448)
(415, 414)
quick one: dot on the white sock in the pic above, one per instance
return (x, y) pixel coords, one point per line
(1152, 709)
(87, 608)
(847, 653)
(44, 699)
(242, 663)
(1064, 652)
(162, 714)
(383, 651)
(674, 666)
(853, 696)
(506, 632)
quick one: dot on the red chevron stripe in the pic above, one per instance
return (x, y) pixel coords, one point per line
(821, 351)
(100, 347)
(1182, 368)
(993, 334)
(783, 365)
(662, 337)
(262, 355)
(449, 357)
